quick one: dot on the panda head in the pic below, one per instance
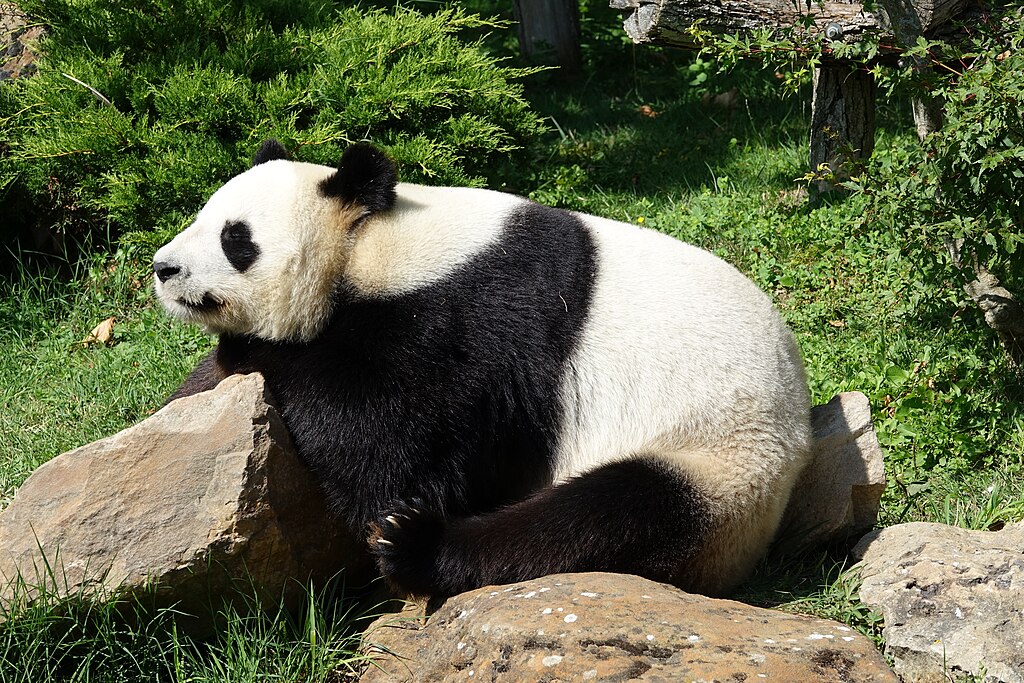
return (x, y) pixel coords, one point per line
(265, 254)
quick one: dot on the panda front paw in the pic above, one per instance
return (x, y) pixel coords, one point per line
(407, 543)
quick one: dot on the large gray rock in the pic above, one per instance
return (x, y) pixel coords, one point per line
(613, 627)
(838, 494)
(952, 600)
(206, 491)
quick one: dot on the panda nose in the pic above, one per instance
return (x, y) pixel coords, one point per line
(165, 271)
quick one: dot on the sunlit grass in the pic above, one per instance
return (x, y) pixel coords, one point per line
(633, 141)
(58, 392)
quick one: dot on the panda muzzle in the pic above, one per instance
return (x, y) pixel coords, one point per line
(207, 304)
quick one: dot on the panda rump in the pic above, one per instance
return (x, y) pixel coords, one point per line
(489, 390)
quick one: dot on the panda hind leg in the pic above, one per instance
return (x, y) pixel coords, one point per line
(635, 516)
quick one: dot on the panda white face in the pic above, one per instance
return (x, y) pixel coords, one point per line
(263, 256)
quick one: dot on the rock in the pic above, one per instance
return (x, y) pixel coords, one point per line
(18, 38)
(612, 627)
(206, 491)
(837, 496)
(952, 600)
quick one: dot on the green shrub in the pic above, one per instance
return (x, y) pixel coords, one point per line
(193, 88)
(967, 180)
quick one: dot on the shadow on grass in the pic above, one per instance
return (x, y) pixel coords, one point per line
(646, 120)
(644, 130)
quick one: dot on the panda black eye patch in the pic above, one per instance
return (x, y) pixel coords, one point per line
(236, 241)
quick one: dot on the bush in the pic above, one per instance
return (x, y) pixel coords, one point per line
(965, 185)
(966, 181)
(140, 111)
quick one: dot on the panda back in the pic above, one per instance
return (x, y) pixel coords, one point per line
(653, 345)
(679, 350)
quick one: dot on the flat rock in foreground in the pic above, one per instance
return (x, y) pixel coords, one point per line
(613, 627)
(207, 490)
(952, 600)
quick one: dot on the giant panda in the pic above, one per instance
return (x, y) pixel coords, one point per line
(489, 390)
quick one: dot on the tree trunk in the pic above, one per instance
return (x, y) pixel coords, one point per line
(1002, 313)
(842, 122)
(549, 33)
(909, 19)
(1001, 310)
(927, 116)
(666, 22)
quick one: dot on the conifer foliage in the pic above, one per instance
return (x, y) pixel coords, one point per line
(140, 110)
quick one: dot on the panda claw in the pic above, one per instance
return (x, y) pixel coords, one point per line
(409, 542)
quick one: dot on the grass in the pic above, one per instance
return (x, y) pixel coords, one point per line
(633, 140)
(75, 639)
(56, 392)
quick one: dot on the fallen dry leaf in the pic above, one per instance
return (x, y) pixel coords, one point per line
(101, 333)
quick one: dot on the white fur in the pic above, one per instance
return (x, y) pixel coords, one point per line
(286, 293)
(678, 346)
(309, 243)
(685, 358)
(681, 355)
(429, 233)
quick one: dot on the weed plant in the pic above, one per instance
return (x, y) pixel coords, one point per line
(639, 138)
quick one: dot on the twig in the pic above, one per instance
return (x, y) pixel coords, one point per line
(95, 93)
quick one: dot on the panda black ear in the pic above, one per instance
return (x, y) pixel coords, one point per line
(269, 151)
(365, 177)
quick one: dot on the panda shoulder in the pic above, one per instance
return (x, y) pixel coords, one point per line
(428, 233)
(464, 209)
